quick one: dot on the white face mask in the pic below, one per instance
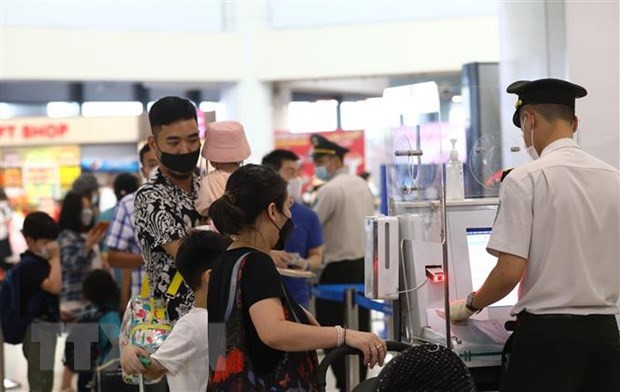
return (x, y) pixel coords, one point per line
(87, 216)
(294, 188)
(531, 150)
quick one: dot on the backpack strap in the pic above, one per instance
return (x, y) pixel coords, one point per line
(233, 286)
(145, 290)
(173, 287)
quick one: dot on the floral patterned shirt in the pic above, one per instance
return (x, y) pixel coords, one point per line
(165, 213)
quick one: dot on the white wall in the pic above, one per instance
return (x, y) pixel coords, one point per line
(593, 51)
(123, 15)
(377, 49)
(574, 40)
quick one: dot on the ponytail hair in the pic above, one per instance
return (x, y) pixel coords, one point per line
(249, 191)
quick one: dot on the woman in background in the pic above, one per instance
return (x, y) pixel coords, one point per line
(78, 246)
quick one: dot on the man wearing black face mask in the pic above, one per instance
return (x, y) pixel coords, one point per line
(164, 207)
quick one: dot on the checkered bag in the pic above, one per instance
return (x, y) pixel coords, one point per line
(427, 367)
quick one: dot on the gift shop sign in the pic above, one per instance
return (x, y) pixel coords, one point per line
(78, 130)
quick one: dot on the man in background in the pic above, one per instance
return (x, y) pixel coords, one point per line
(341, 205)
(307, 237)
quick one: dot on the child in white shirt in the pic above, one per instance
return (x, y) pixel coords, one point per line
(184, 356)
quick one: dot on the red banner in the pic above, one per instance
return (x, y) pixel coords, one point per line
(300, 144)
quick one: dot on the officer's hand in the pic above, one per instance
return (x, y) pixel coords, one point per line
(458, 311)
(280, 258)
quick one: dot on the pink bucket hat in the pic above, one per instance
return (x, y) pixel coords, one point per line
(225, 142)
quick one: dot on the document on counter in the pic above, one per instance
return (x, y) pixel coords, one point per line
(479, 330)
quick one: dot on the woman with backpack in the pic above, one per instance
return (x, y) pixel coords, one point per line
(270, 341)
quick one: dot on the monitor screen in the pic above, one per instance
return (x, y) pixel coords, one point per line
(481, 262)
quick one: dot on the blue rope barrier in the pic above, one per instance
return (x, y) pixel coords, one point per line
(335, 292)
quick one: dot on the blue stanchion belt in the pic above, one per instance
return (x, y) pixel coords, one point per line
(335, 292)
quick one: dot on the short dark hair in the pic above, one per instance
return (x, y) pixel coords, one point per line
(197, 253)
(249, 191)
(553, 112)
(124, 184)
(38, 225)
(143, 151)
(100, 289)
(168, 110)
(275, 158)
(71, 212)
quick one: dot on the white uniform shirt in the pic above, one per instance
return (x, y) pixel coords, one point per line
(562, 213)
(185, 353)
(342, 204)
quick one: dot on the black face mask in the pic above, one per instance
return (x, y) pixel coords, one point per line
(180, 163)
(285, 232)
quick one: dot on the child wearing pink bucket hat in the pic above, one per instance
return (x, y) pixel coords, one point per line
(225, 147)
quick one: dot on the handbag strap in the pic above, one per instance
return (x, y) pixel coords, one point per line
(233, 286)
(289, 304)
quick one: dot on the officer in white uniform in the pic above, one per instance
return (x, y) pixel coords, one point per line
(342, 204)
(557, 233)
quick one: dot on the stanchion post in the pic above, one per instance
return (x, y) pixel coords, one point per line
(352, 368)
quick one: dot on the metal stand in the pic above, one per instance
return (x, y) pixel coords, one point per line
(446, 272)
(351, 367)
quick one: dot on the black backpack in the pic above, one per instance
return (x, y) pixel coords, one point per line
(13, 318)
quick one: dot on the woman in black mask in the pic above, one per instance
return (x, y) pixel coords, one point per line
(270, 341)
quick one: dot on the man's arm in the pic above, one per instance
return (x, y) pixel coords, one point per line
(506, 274)
(123, 259)
(125, 292)
(325, 205)
(501, 280)
(315, 257)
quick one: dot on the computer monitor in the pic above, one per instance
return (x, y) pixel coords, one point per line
(481, 262)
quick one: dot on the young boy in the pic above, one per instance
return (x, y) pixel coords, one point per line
(184, 356)
(102, 293)
(40, 282)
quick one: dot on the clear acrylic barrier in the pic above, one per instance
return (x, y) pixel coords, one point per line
(422, 119)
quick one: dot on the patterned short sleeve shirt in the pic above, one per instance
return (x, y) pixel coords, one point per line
(165, 213)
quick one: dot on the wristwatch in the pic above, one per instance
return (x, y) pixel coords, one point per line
(468, 302)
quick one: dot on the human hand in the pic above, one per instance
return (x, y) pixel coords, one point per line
(297, 262)
(458, 311)
(280, 258)
(94, 236)
(67, 316)
(373, 348)
(130, 359)
(53, 250)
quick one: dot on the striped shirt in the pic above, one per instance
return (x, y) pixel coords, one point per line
(122, 236)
